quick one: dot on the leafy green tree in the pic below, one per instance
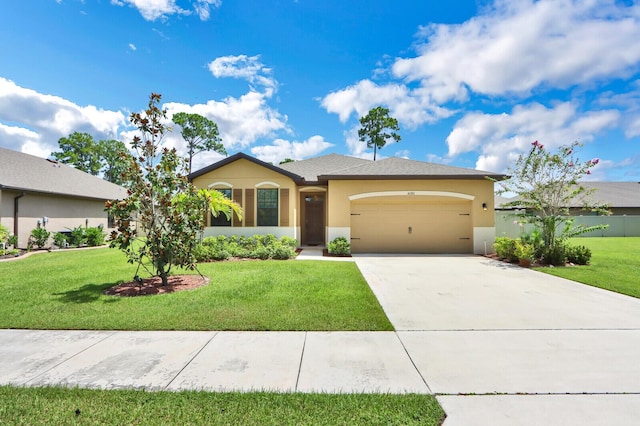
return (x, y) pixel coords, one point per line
(286, 160)
(168, 210)
(115, 159)
(80, 151)
(200, 133)
(377, 128)
(547, 184)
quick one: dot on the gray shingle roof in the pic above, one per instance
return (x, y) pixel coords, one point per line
(335, 166)
(26, 172)
(402, 168)
(327, 164)
(615, 194)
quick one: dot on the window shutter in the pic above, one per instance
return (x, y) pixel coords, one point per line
(237, 197)
(284, 207)
(249, 214)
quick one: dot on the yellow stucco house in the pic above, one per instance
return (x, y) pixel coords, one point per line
(392, 205)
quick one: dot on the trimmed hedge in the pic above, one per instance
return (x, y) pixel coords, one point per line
(254, 247)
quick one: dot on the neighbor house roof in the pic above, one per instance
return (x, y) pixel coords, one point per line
(341, 167)
(614, 194)
(24, 172)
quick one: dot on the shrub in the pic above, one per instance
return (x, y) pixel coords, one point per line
(76, 238)
(579, 255)
(536, 240)
(59, 239)
(506, 248)
(524, 250)
(94, 237)
(4, 234)
(339, 246)
(555, 255)
(12, 240)
(254, 247)
(39, 237)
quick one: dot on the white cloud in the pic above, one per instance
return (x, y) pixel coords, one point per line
(161, 9)
(410, 107)
(282, 149)
(244, 67)
(203, 8)
(516, 46)
(33, 119)
(153, 9)
(241, 121)
(132, 47)
(500, 138)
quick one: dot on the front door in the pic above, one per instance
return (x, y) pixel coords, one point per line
(313, 230)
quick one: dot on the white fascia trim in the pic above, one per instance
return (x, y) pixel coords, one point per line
(214, 184)
(312, 188)
(411, 193)
(267, 183)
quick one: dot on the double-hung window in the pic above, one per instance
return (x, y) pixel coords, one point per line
(267, 207)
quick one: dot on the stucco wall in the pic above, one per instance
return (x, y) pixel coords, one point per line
(244, 174)
(62, 212)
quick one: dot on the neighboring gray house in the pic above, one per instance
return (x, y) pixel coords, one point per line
(38, 192)
(623, 199)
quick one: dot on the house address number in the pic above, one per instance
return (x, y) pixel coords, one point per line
(411, 193)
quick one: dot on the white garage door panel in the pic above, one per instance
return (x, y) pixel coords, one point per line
(411, 228)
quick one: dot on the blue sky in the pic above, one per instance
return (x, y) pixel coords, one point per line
(471, 82)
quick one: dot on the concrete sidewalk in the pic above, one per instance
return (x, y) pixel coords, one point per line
(216, 361)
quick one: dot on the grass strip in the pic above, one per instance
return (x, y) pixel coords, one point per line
(63, 406)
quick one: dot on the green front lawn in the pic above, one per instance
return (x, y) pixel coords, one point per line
(615, 265)
(59, 406)
(63, 290)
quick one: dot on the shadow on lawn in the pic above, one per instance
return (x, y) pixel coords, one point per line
(86, 294)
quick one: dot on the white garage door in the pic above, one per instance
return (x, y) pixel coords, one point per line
(411, 227)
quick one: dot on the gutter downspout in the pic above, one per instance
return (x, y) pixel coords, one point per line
(15, 213)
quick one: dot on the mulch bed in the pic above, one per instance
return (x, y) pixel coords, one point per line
(153, 285)
(325, 253)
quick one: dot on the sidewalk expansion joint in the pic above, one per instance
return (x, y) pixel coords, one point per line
(191, 360)
(304, 344)
(413, 363)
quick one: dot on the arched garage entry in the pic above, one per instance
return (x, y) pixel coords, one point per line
(411, 222)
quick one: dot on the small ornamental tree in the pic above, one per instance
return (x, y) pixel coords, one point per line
(168, 210)
(547, 184)
(377, 128)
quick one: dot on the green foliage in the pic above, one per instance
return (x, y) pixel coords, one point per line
(12, 240)
(59, 239)
(94, 237)
(578, 255)
(200, 134)
(168, 209)
(4, 234)
(505, 248)
(115, 158)
(339, 246)
(555, 255)
(254, 247)
(77, 237)
(80, 151)
(547, 184)
(524, 250)
(39, 237)
(534, 238)
(377, 128)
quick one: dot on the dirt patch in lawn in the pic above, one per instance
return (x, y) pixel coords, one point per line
(153, 285)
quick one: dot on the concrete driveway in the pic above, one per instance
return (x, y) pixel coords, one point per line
(499, 344)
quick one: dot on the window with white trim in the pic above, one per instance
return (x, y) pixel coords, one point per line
(267, 207)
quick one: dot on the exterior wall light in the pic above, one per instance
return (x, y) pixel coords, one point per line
(484, 206)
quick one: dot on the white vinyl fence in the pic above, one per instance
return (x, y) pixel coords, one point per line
(619, 226)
